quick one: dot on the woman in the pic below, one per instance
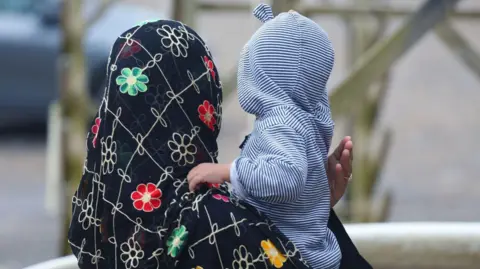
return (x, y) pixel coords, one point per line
(160, 116)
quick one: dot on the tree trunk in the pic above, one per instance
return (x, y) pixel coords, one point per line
(185, 11)
(363, 32)
(73, 106)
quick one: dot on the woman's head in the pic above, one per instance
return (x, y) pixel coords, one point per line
(159, 117)
(164, 89)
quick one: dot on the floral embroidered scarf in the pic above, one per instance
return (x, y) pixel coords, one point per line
(159, 117)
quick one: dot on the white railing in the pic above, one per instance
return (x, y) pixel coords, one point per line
(412, 245)
(418, 245)
(67, 262)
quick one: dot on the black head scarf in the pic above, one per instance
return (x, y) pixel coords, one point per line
(160, 116)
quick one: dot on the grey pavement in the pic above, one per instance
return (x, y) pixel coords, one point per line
(432, 107)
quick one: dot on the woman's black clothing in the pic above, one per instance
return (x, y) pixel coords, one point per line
(351, 258)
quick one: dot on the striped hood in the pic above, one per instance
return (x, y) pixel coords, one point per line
(287, 62)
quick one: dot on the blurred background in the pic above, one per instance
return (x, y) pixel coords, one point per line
(406, 87)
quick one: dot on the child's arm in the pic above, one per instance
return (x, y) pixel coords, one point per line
(277, 174)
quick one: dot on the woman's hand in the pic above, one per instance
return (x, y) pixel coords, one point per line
(208, 173)
(339, 169)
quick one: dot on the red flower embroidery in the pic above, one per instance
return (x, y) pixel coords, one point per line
(206, 112)
(210, 66)
(128, 50)
(146, 197)
(213, 185)
(94, 130)
(221, 197)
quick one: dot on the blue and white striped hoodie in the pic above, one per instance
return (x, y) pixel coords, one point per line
(282, 76)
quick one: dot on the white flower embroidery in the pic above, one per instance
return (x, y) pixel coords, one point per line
(109, 155)
(183, 150)
(131, 253)
(243, 258)
(86, 214)
(174, 40)
(96, 257)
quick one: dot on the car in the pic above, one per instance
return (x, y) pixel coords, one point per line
(30, 37)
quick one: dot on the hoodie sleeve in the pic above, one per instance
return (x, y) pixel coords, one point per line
(272, 168)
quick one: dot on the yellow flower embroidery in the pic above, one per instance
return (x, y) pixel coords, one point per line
(275, 257)
(198, 267)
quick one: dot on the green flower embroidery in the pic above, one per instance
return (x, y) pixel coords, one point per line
(145, 22)
(176, 240)
(132, 81)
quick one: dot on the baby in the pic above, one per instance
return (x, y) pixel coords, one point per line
(282, 76)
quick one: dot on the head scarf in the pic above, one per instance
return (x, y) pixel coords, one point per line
(159, 117)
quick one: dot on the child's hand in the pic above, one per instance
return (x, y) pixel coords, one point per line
(339, 169)
(208, 173)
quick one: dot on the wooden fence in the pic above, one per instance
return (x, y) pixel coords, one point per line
(371, 55)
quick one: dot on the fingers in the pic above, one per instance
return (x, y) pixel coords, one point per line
(346, 164)
(336, 194)
(338, 151)
(347, 157)
(349, 146)
(193, 179)
(193, 182)
(339, 173)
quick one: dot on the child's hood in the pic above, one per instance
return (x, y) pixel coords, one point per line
(287, 62)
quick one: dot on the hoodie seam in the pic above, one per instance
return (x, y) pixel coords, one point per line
(295, 87)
